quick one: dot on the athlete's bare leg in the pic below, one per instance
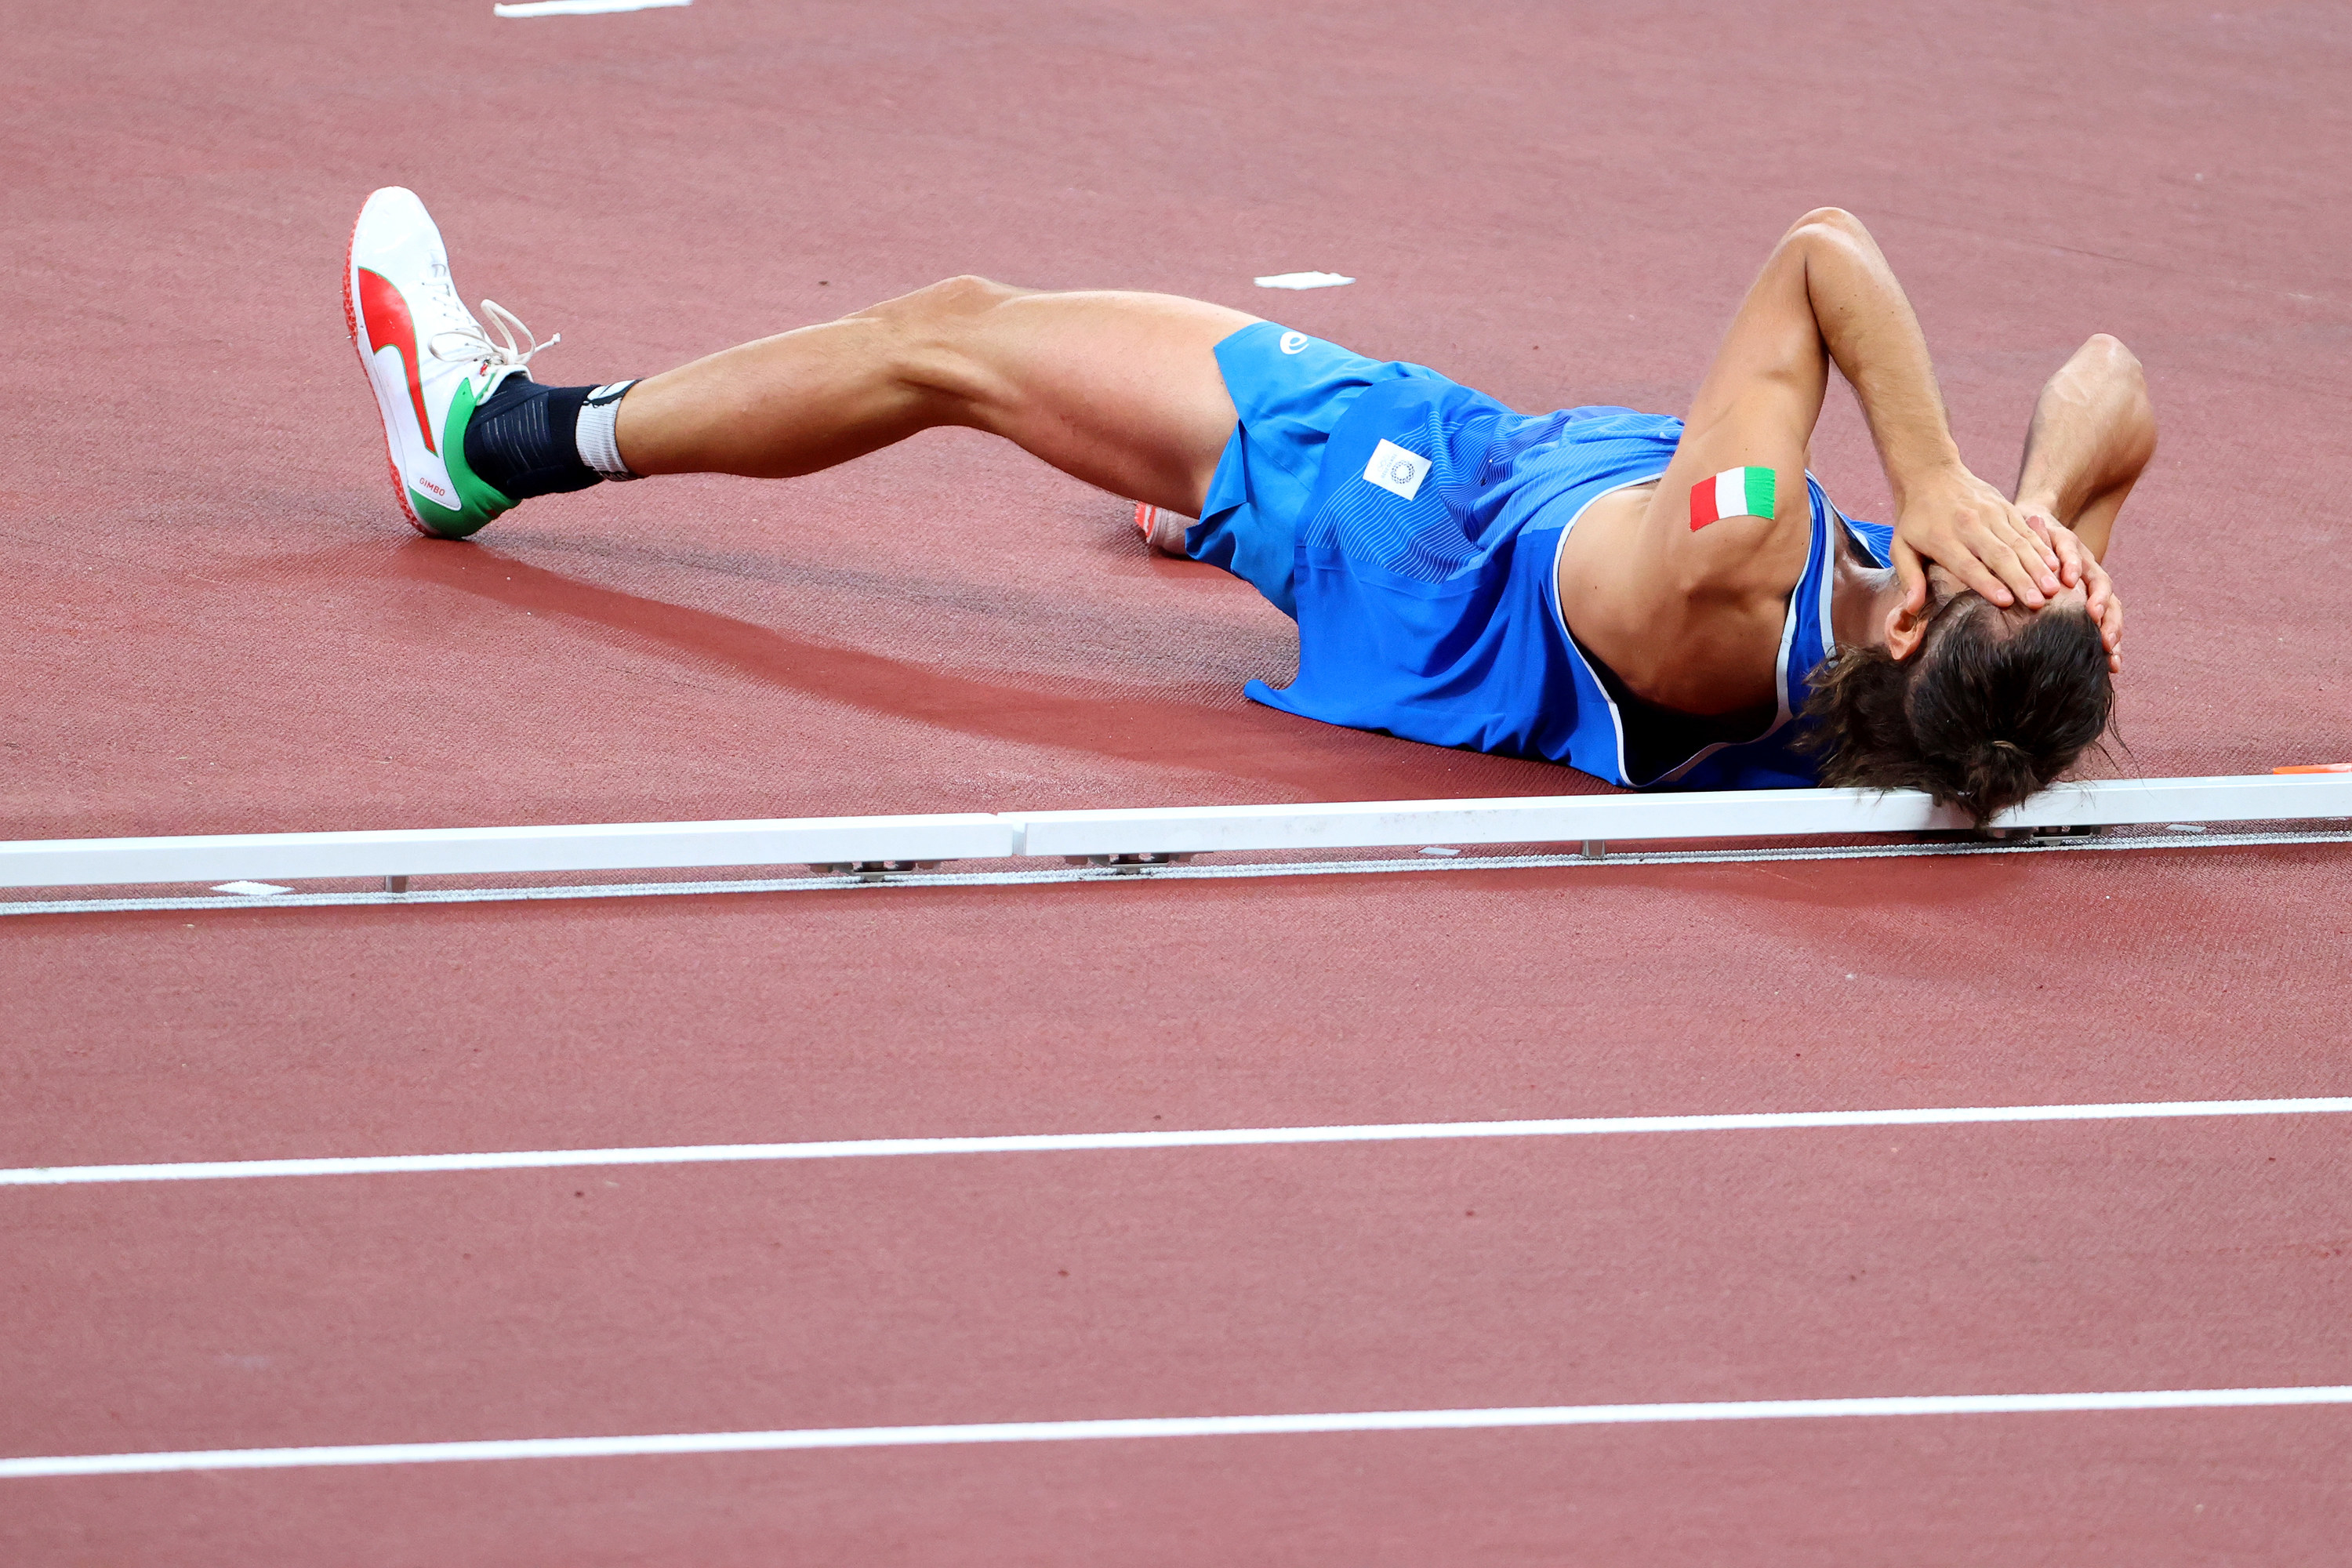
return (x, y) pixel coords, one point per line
(2094, 432)
(1120, 390)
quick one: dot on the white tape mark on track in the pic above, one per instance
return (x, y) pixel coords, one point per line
(1162, 1426)
(1302, 280)
(1207, 1138)
(581, 7)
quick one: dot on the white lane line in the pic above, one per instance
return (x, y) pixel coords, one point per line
(1612, 859)
(1161, 1426)
(1066, 1142)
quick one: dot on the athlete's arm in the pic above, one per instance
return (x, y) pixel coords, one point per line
(1690, 617)
(2092, 435)
(1687, 606)
(1827, 295)
(1688, 612)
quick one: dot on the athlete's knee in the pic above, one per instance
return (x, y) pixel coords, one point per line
(936, 329)
(955, 298)
(939, 309)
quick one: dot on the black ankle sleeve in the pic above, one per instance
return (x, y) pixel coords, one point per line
(523, 441)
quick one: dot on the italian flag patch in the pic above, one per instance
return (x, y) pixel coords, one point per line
(1735, 492)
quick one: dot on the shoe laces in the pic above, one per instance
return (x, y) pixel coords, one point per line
(470, 342)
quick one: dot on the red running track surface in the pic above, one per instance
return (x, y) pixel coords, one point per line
(217, 622)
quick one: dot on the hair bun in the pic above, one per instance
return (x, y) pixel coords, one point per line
(1999, 769)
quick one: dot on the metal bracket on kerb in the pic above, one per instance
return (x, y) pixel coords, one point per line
(870, 870)
(1129, 862)
(1596, 849)
(2035, 835)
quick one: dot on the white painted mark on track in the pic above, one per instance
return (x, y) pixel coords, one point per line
(1163, 1426)
(1205, 1138)
(581, 7)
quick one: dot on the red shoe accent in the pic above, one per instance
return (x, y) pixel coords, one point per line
(352, 325)
(389, 326)
(1143, 511)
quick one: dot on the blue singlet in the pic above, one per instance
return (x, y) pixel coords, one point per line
(1413, 528)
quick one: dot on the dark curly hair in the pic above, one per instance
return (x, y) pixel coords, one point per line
(1985, 713)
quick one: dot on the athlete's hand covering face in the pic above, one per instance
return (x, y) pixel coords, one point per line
(2078, 565)
(1967, 527)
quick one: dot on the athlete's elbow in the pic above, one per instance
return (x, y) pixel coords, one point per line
(2105, 376)
(2106, 354)
(1834, 220)
(1827, 229)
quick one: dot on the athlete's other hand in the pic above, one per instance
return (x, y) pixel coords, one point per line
(2076, 566)
(1970, 530)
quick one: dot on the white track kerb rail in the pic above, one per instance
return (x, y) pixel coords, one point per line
(836, 851)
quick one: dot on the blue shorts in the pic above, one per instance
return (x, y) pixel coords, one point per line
(1290, 390)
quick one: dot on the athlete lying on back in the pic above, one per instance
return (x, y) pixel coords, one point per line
(1651, 600)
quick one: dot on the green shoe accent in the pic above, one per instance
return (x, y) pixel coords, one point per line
(478, 501)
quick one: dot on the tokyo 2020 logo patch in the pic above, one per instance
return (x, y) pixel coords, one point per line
(1396, 470)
